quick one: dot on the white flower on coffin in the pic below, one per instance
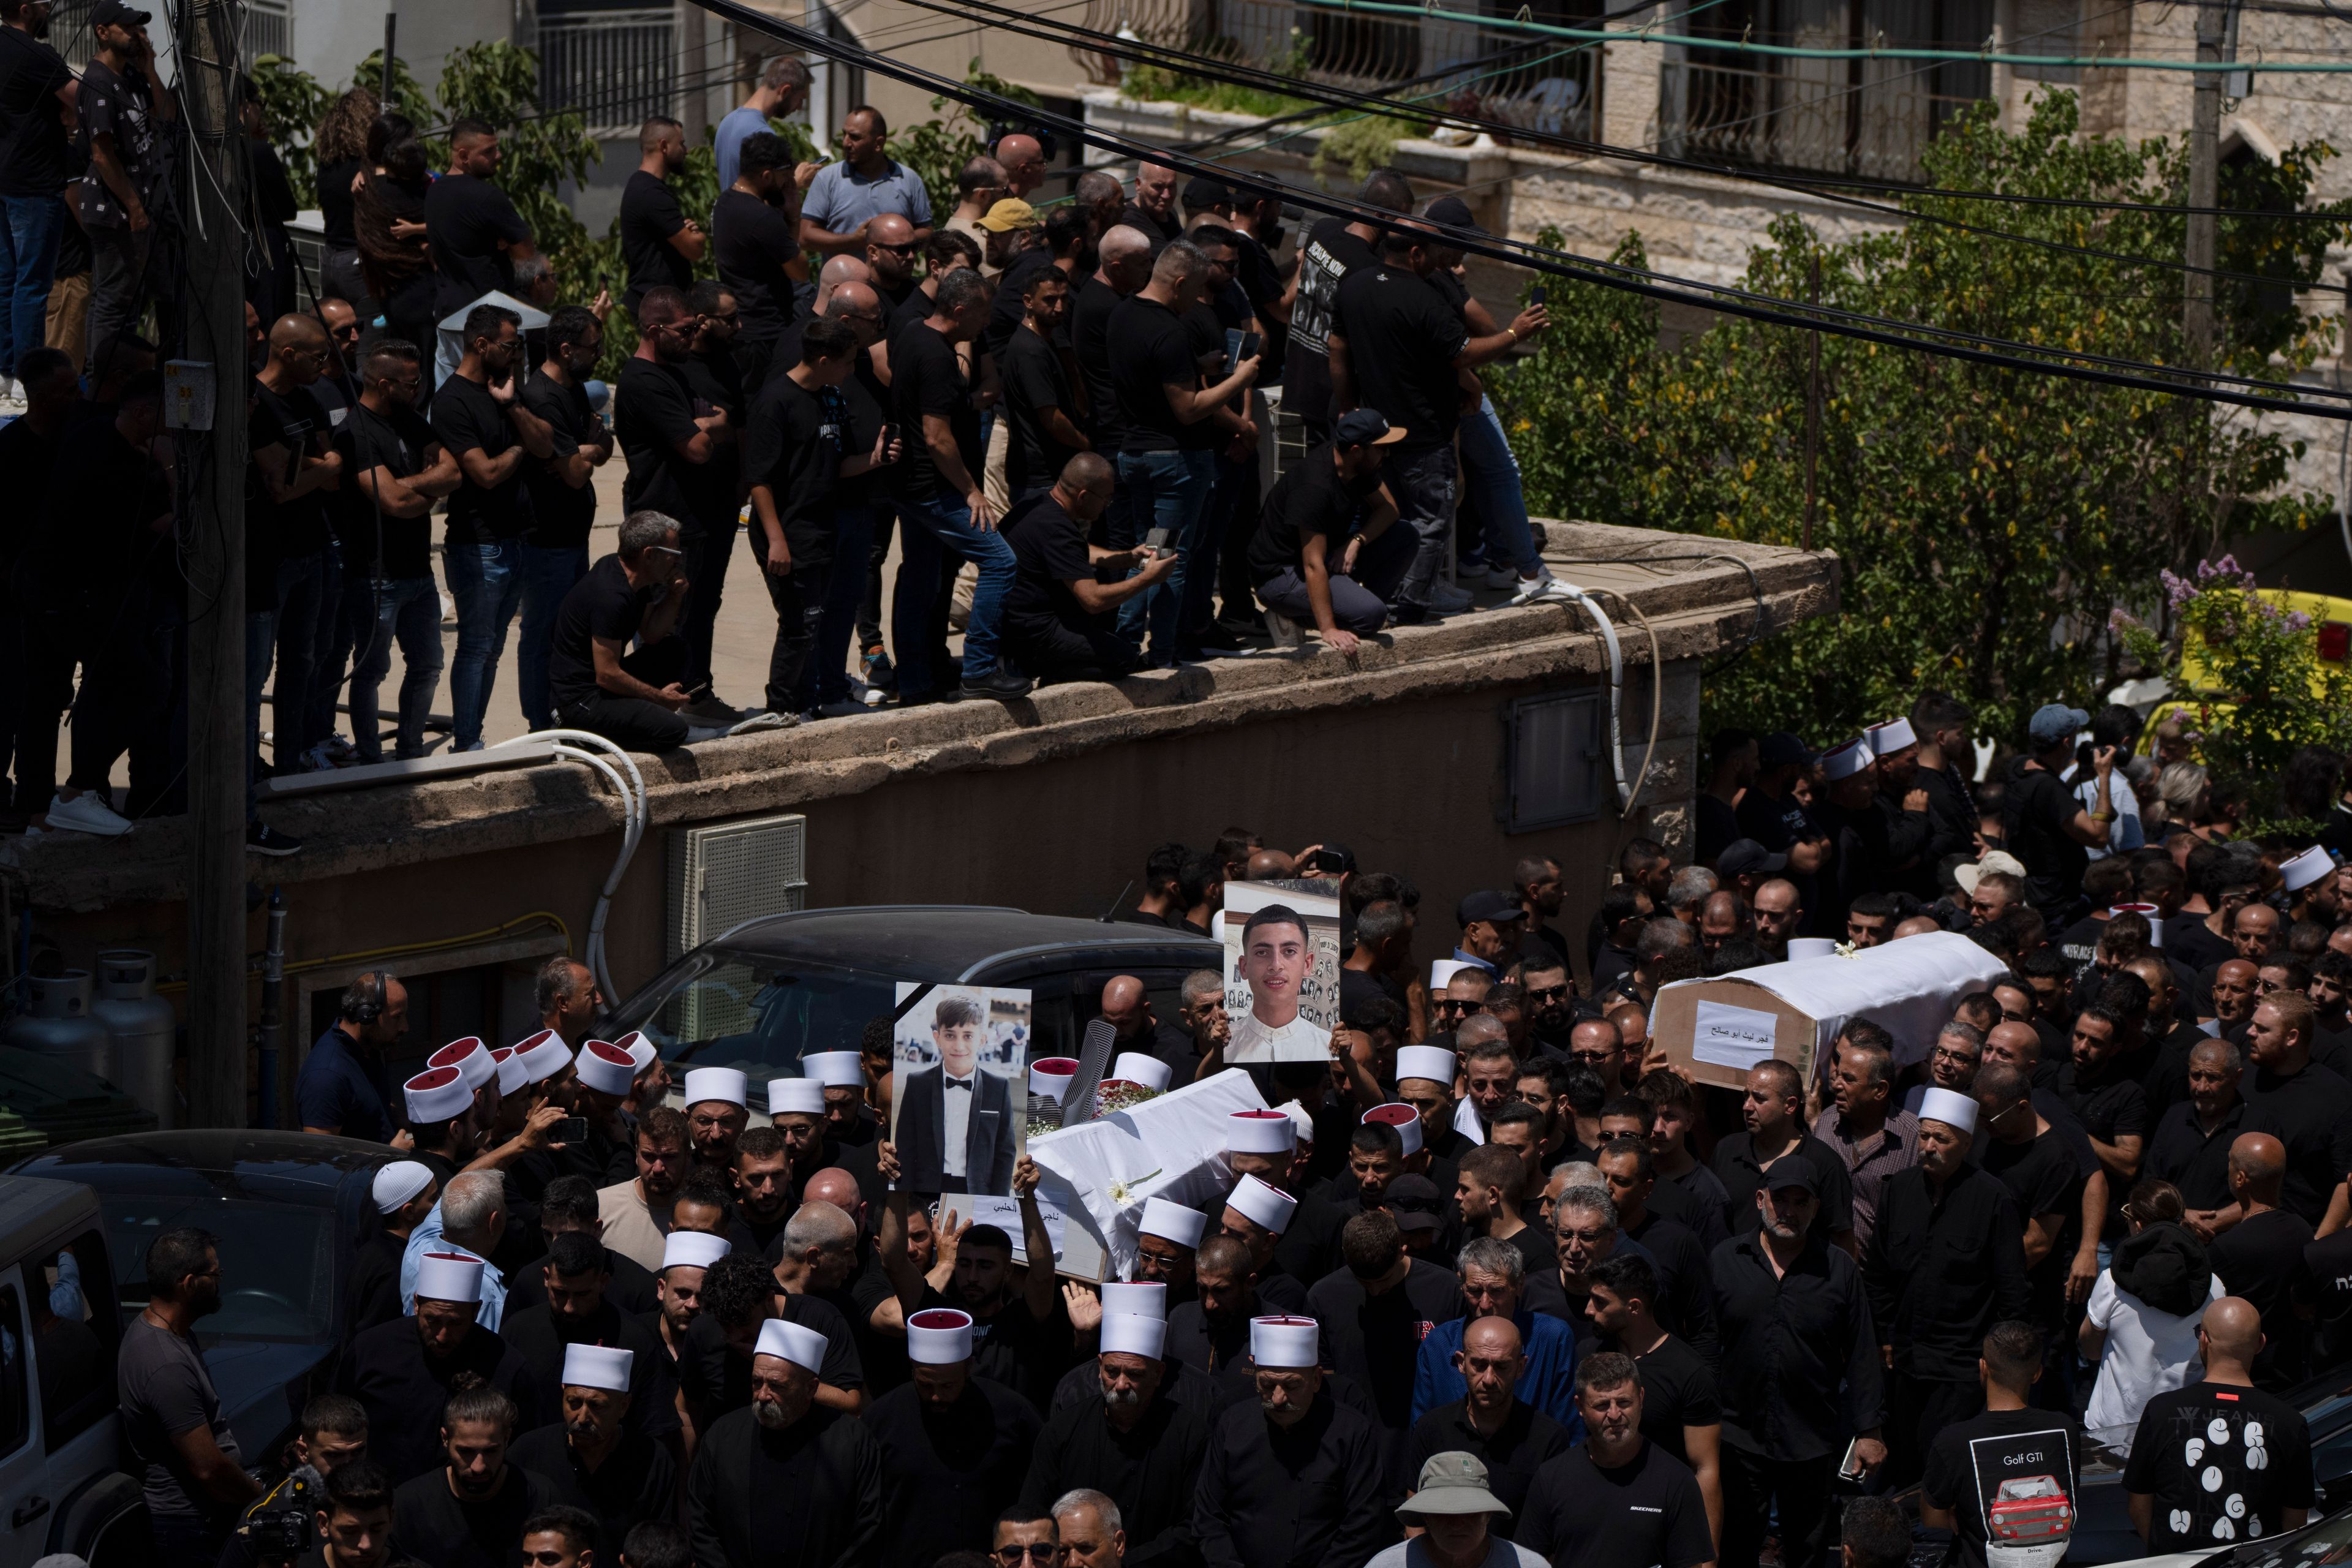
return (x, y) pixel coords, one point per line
(1124, 1192)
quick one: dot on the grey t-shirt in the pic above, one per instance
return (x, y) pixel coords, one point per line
(1414, 1553)
(166, 1391)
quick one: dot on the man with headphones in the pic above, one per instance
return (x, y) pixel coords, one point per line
(344, 1089)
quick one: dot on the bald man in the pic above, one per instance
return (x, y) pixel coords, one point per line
(2259, 1259)
(1152, 211)
(293, 463)
(2219, 1461)
(1122, 266)
(2230, 991)
(892, 253)
(840, 270)
(1056, 622)
(1023, 163)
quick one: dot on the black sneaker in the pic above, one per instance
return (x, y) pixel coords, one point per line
(263, 839)
(1001, 684)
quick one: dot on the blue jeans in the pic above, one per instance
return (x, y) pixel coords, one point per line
(487, 582)
(28, 262)
(935, 530)
(1170, 490)
(290, 632)
(1423, 484)
(826, 677)
(1491, 473)
(547, 576)
(406, 610)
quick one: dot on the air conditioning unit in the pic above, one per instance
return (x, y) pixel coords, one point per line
(730, 872)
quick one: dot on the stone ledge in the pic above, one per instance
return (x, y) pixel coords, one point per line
(1695, 609)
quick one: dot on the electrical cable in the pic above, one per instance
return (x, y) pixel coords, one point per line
(2003, 353)
(637, 814)
(1167, 56)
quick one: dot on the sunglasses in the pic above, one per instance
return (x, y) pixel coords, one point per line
(1451, 1005)
(1012, 1554)
(907, 249)
(1547, 992)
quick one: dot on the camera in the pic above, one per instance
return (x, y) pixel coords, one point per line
(281, 1535)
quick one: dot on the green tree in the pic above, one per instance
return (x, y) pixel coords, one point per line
(292, 104)
(1987, 522)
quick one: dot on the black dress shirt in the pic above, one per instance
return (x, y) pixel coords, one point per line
(2181, 1151)
(1736, 1166)
(1943, 1267)
(1512, 1456)
(1801, 1367)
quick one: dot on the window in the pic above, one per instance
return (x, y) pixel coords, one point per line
(15, 1412)
(75, 1331)
(723, 1009)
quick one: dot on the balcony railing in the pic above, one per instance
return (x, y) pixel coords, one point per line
(1448, 57)
(1869, 118)
(615, 69)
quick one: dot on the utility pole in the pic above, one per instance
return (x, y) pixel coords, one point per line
(2204, 187)
(214, 220)
(1812, 402)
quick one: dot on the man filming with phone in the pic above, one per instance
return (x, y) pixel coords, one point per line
(1057, 622)
(1311, 559)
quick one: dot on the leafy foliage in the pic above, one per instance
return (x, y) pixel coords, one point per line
(1987, 522)
(292, 104)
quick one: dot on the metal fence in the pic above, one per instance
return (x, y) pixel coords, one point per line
(615, 69)
(1448, 57)
(1871, 118)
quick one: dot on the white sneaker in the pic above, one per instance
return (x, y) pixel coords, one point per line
(86, 813)
(1543, 588)
(1493, 577)
(1445, 599)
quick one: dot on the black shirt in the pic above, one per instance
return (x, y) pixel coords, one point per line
(27, 459)
(1525, 1441)
(601, 604)
(1326, 257)
(1801, 1370)
(560, 515)
(32, 160)
(1582, 1514)
(753, 243)
(927, 379)
(395, 441)
(656, 413)
(403, 1390)
(637, 1480)
(1005, 311)
(431, 1523)
(1942, 1268)
(467, 417)
(1678, 1390)
(1049, 553)
(1998, 1459)
(948, 1473)
(2194, 1452)
(2260, 1260)
(792, 446)
(337, 203)
(2311, 1113)
(1309, 500)
(1737, 1168)
(1034, 384)
(2189, 940)
(1402, 338)
(1149, 352)
(1158, 230)
(2197, 1162)
(2033, 817)
(292, 419)
(467, 224)
(121, 106)
(1375, 1338)
(1091, 304)
(649, 216)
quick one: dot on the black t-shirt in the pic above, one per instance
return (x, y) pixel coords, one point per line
(395, 441)
(1158, 230)
(753, 241)
(1149, 352)
(2189, 940)
(792, 446)
(926, 378)
(1677, 1391)
(1091, 304)
(2327, 1277)
(2312, 1114)
(467, 223)
(337, 203)
(649, 216)
(1049, 552)
(2219, 1462)
(2259, 1259)
(1402, 338)
(1308, 501)
(466, 417)
(561, 514)
(2007, 1470)
(601, 604)
(1005, 311)
(716, 378)
(657, 412)
(1034, 384)
(2033, 817)
(1204, 335)
(295, 420)
(26, 460)
(1376, 1340)
(33, 160)
(1582, 1515)
(2042, 1175)
(1328, 254)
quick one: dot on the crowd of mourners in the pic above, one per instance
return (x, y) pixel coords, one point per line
(1498, 1281)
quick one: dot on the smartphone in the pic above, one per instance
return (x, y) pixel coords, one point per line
(890, 434)
(1536, 295)
(1329, 862)
(572, 1129)
(1250, 342)
(1850, 1468)
(1156, 542)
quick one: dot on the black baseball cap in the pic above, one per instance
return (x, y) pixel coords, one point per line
(1780, 748)
(1745, 856)
(1488, 905)
(1201, 192)
(115, 14)
(1454, 213)
(1366, 428)
(1790, 1171)
(1413, 1202)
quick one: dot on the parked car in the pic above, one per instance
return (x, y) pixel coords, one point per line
(60, 1487)
(289, 1208)
(772, 990)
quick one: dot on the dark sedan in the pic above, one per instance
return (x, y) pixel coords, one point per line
(289, 1208)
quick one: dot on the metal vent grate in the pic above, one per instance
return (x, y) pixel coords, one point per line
(1559, 754)
(719, 877)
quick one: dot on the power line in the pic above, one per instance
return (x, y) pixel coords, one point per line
(1160, 54)
(2001, 353)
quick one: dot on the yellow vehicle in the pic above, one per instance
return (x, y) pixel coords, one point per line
(2331, 616)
